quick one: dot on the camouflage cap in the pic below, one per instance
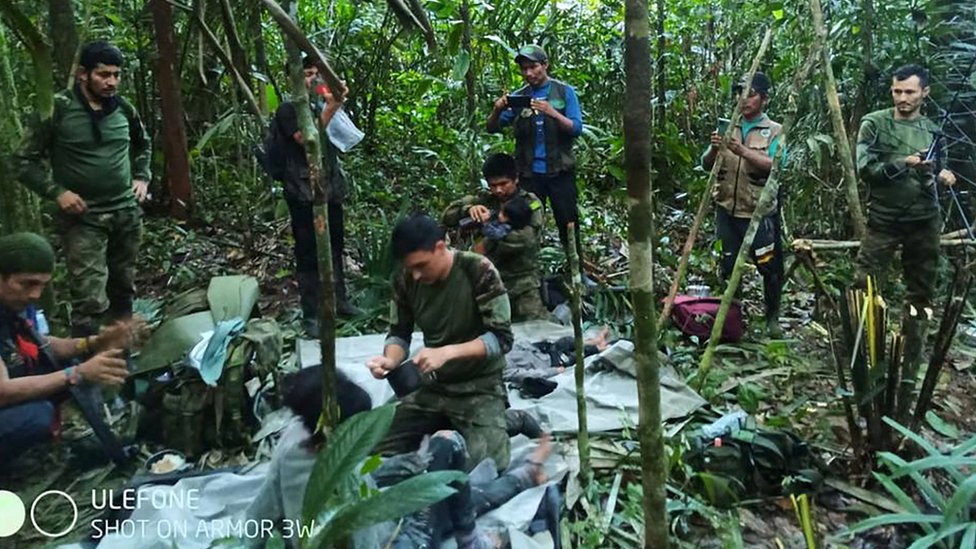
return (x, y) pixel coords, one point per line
(531, 52)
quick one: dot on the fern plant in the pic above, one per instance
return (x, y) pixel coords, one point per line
(943, 521)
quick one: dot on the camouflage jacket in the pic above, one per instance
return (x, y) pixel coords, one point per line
(517, 255)
(471, 303)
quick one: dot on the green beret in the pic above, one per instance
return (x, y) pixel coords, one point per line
(25, 253)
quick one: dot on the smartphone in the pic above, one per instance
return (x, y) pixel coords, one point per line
(723, 125)
(519, 102)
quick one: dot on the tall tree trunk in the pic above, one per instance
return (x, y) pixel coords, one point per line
(576, 304)
(843, 146)
(64, 35)
(469, 76)
(40, 52)
(177, 167)
(637, 161)
(313, 149)
(868, 70)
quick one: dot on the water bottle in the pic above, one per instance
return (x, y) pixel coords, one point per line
(724, 425)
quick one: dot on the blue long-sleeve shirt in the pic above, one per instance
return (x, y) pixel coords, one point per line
(572, 111)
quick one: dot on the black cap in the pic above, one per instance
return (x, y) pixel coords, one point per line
(531, 52)
(760, 83)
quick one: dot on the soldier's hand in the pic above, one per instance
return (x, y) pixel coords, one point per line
(543, 106)
(735, 147)
(918, 161)
(71, 203)
(105, 368)
(479, 213)
(947, 178)
(431, 358)
(124, 334)
(140, 188)
(380, 366)
(501, 103)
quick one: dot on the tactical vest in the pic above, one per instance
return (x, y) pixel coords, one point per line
(559, 144)
(739, 182)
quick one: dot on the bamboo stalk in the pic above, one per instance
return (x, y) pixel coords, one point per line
(835, 245)
(842, 143)
(575, 293)
(706, 199)
(915, 328)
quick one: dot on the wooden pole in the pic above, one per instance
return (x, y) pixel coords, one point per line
(576, 302)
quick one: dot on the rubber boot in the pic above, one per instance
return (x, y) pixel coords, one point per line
(308, 289)
(344, 309)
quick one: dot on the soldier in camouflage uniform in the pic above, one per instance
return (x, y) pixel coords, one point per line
(516, 256)
(903, 207)
(458, 301)
(99, 157)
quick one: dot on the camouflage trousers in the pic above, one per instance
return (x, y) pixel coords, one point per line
(101, 251)
(919, 242)
(479, 418)
(525, 298)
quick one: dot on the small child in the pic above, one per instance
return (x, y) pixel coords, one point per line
(514, 215)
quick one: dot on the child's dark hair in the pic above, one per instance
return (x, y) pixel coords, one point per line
(303, 395)
(519, 212)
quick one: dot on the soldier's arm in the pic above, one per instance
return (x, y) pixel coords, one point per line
(30, 159)
(458, 210)
(21, 389)
(871, 167)
(496, 312)
(140, 149)
(397, 345)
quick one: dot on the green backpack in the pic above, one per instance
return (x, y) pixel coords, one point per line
(752, 461)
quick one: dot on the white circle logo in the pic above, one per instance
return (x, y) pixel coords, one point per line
(12, 513)
(74, 508)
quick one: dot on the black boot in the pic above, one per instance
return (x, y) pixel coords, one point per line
(308, 289)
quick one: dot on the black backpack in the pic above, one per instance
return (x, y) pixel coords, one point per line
(270, 153)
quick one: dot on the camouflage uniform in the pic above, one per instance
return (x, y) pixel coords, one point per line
(902, 204)
(97, 155)
(516, 256)
(467, 396)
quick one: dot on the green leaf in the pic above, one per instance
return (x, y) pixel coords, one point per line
(946, 463)
(220, 127)
(778, 14)
(894, 518)
(404, 498)
(957, 509)
(936, 537)
(940, 425)
(461, 65)
(345, 449)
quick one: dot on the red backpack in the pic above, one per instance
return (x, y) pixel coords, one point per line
(695, 316)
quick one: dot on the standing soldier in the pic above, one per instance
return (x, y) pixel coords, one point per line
(746, 163)
(99, 156)
(894, 162)
(516, 255)
(545, 127)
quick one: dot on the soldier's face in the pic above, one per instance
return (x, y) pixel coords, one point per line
(534, 73)
(428, 267)
(102, 82)
(503, 187)
(908, 95)
(17, 291)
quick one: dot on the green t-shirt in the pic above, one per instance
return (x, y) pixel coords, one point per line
(896, 192)
(100, 171)
(470, 303)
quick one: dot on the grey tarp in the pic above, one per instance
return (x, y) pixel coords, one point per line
(611, 395)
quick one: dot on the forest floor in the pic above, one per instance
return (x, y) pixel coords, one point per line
(788, 382)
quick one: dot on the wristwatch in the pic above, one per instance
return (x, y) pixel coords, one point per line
(72, 376)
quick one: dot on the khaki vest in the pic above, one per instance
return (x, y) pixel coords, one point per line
(559, 145)
(739, 184)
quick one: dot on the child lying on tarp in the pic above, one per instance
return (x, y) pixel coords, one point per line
(528, 366)
(283, 491)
